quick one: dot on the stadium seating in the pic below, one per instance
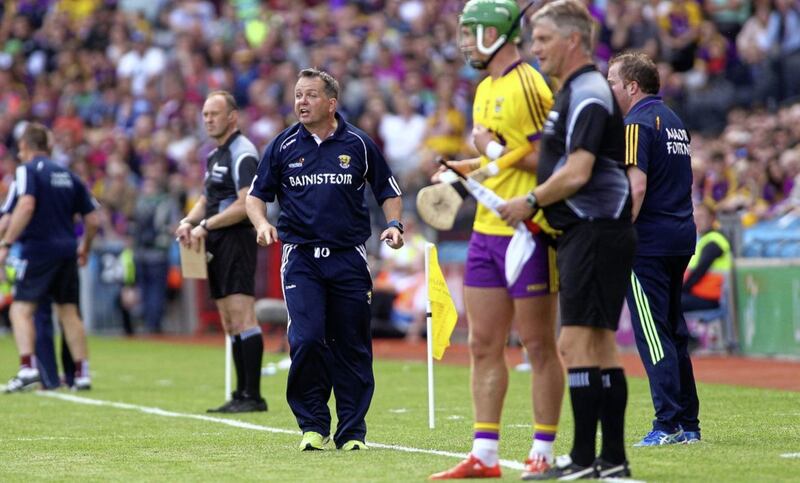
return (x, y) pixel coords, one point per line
(717, 326)
(779, 238)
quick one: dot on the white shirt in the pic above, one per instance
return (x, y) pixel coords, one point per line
(402, 139)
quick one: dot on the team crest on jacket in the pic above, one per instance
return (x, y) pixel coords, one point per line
(498, 104)
(344, 161)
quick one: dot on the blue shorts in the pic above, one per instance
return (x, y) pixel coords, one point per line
(38, 277)
(486, 262)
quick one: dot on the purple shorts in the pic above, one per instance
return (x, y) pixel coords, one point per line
(486, 261)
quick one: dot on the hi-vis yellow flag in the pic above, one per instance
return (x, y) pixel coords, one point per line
(443, 311)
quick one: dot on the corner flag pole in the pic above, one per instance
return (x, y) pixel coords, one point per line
(228, 357)
(429, 328)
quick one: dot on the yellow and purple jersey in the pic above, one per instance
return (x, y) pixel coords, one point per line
(514, 107)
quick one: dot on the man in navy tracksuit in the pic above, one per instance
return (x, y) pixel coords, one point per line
(659, 168)
(44, 345)
(43, 221)
(318, 169)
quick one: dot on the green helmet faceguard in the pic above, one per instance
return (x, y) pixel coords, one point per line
(504, 15)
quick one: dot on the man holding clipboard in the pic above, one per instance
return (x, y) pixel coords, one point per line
(219, 233)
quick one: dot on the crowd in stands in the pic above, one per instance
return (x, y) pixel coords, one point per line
(121, 83)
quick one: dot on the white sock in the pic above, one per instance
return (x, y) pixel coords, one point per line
(486, 450)
(543, 448)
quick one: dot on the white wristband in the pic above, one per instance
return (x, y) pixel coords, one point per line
(492, 168)
(448, 177)
(494, 150)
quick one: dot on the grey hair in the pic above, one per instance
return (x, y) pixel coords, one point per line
(569, 16)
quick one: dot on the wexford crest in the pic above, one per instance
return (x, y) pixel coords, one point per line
(344, 161)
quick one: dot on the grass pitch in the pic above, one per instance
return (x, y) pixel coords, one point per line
(47, 437)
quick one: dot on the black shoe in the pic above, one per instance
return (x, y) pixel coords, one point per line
(565, 469)
(605, 469)
(249, 405)
(225, 408)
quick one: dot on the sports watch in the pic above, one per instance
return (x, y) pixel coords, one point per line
(532, 202)
(396, 224)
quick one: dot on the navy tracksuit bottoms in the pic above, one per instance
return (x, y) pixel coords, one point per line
(45, 349)
(662, 338)
(328, 292)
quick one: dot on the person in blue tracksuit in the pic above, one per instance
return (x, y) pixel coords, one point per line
(43, 319)
(43, 222)
(318, 170)
(658, 161)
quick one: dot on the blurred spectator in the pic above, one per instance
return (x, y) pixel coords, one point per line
(401, 280)
(783, 45)
(747, 196)
(752, 44)
(117, 194)
(141, 63)
(728, 15)
(679, 30)
(444, 135)
(154, 220)
(402, 131)
(630, 29)
(718, 181)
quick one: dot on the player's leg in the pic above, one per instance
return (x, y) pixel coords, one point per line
(76, 339)
(67, 362)
(490, 310)
(236, 353)
(577, 300)
(21, 314)
(241, 326)
(591, 297)
(612, 461)
(535, 300)
(65, 293)
(33, 280)
(232, 284)
(350, 340)
(650, 293)
(613, 263)
(73, 330)
(577, 347)
(309, 384)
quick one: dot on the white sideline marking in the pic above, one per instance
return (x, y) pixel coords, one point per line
(161, 412)
(514, 465)
(47, 438)
(790, 455)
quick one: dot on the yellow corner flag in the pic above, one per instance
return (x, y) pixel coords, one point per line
(443, 312)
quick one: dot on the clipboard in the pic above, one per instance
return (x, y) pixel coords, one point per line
(194, 264)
